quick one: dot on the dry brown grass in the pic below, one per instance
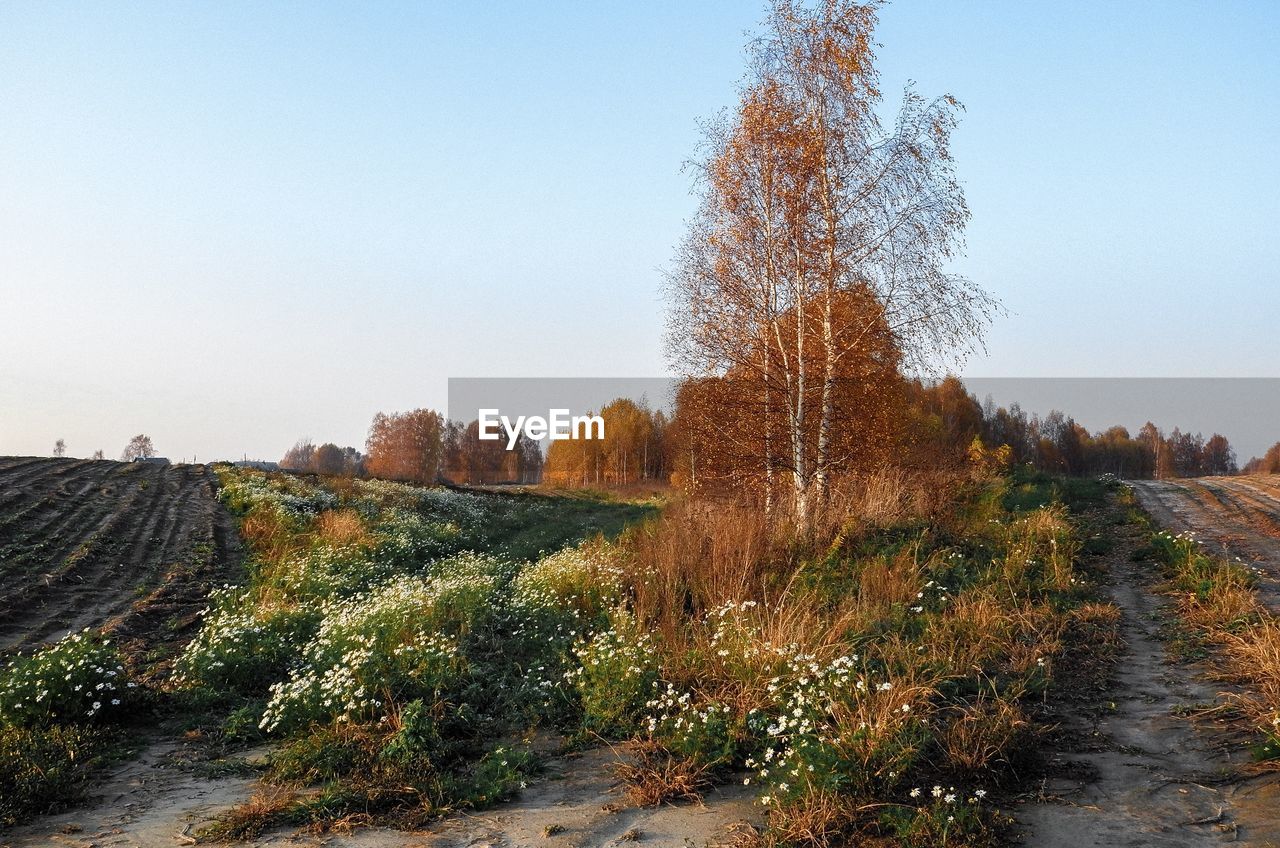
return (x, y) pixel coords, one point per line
(895, 495)
(1255, 660)
(980, 736)
(698, 556)
(341, 528)
(703, 554)
(655, 776)
(269, 535)
(1219, 599)
(977, 630)
(263, 811)
(820, 820)
(1229, 601)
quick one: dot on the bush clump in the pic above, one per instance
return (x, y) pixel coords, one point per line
(77, 679)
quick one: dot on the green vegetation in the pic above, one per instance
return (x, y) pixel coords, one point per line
(1030, 489)
(402, 642)
(875, 676)
(397, 638)
(58, 711)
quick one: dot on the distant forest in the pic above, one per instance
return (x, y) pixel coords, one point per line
(928, 425)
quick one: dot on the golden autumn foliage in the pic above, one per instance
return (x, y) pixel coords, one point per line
(632, 450)
(816, 264)
(748, 432)
(405, 446)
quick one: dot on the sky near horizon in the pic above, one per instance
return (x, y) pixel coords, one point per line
(230, 225)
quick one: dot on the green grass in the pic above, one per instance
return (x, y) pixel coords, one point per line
(544, 523)
(43, 769)
(1029, 490)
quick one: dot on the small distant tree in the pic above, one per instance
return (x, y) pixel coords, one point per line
(328, 459)
(1188, 453)
(352, 462)
(139, 447)
(1218, 457)
(299, 457)
(405, 446)
(98, 454)
(528, 460)
(60, 448)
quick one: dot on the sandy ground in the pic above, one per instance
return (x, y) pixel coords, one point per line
(154, 802)
(1236, 516)
(149, 801)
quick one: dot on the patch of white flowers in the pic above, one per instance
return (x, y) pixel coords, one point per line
(76, 679)
(375, 647)
(832, 720)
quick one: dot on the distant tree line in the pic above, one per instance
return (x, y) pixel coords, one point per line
(949, 416)
(328, 459)
(634, 449)
(711, 441)
(421, 447)
(1268, 463)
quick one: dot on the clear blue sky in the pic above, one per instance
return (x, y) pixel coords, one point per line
(232, 224)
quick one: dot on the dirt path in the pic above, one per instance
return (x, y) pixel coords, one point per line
(132, 547)
(1153, 777)
(578, 805)
(1238, 516)
(156, 801)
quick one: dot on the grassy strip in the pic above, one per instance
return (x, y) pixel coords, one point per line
(399, 641)
(873, 677)
(873, 680)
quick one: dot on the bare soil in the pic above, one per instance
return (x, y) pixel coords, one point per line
(1151, 763)
(156, 799)
(580, 805)
(129, 547)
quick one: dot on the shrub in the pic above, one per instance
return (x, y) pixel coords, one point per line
(77, 679)
(655, 776)
(944, 817)
(579, 580)
(841, 729)
(371, 652)
(499, 775)
(616, 678)
(1040, 550)
(243, 647)
(44, 767)
(700, 732)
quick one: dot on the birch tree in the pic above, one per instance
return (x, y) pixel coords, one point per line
(809, 204)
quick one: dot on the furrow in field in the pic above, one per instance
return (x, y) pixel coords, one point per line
(94, 544)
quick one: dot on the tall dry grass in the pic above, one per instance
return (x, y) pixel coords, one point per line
(704, 554)
(341, 528)
(952, 608)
